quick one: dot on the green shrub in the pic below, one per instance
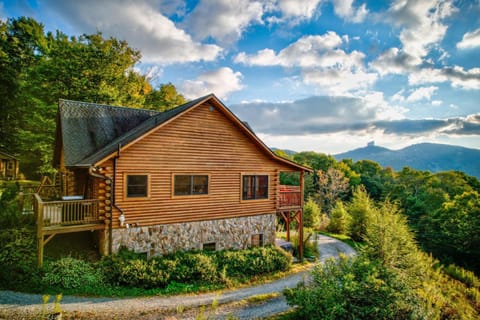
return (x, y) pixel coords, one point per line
(18, 260)
(310, 243)
(10, 215)
(354, 288)
(338, 219)
(360, 213)
(466, 277)
(311, 214)
(193, 266)
(69, 273)
(119, 271)
(254, 261)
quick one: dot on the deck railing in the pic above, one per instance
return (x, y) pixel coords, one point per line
(69, 212)
(290, 196)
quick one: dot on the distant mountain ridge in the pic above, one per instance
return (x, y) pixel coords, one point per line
(424, 156)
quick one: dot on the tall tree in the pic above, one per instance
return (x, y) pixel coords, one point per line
(37, 69)
(22, 44)
(332, 186)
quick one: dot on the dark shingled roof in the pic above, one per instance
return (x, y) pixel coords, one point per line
(90, 131)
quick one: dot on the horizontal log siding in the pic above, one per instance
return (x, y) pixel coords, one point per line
(204, 142)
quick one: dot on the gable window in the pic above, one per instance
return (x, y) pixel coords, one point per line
(137, 186)
(254, 187)
(187, 185)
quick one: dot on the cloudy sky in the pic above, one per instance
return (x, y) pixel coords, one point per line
(322, 75)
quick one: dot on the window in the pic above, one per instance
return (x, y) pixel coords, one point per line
(257, 240)
(209, 246)
(254, 187)
(137, 186)
(187, 185)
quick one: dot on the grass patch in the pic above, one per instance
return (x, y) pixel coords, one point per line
(259, 298)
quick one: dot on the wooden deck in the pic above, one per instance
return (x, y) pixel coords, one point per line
(290, 197)
(66, 216)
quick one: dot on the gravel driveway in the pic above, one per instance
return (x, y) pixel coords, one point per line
(14, 305)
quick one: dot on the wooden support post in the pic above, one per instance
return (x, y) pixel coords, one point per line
(40, 243)
(288, 226)
(300, 225)
(300, 236)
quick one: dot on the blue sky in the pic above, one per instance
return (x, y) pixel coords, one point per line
(322, 75)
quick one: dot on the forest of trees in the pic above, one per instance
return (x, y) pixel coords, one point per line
(38, 68)
(443, 209)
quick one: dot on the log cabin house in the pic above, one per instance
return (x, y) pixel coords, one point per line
(9, 166)
(194, 177)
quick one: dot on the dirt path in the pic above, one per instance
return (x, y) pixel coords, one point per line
(15, 305)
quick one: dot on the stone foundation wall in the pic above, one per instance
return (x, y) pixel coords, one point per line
(235, 233)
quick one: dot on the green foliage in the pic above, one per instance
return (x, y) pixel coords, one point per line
(163, 99)
(350, 289)
(69, 273)
(360, 211)
(332, 186)
(255, 261)
(174, 271)
(192, 266)
(18, 260)
(338, 219)
(466, 277)
(10, 214)
(453, 229)
(390, 240)
(390, 279)
(311, 214)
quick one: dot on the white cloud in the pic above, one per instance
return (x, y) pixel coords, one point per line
(224, 21)
(307, 51)
(338, 81)
(458, 77)
(422, 24)
(423, 93)
(221, 82)
(141, 24)
(393, 61)
(345, 10)
(321, 61)
(470, 40)
(303, 10)
(437, 103)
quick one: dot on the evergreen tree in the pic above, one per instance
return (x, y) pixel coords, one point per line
(338, 219)
(360, 211)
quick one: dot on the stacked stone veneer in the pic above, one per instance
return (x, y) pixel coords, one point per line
(235, 233)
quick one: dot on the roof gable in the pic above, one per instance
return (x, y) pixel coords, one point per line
(89, 139)
(89, 127)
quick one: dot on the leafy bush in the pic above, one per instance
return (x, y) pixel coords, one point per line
(310, 243)
(69, 273)
(349, 289)
(338, 219)
(466, 277)
(360, 211)
(311, 214)
(10, 215)
(192, 266)
(18, 260)
(180, 268)
(254, 261)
